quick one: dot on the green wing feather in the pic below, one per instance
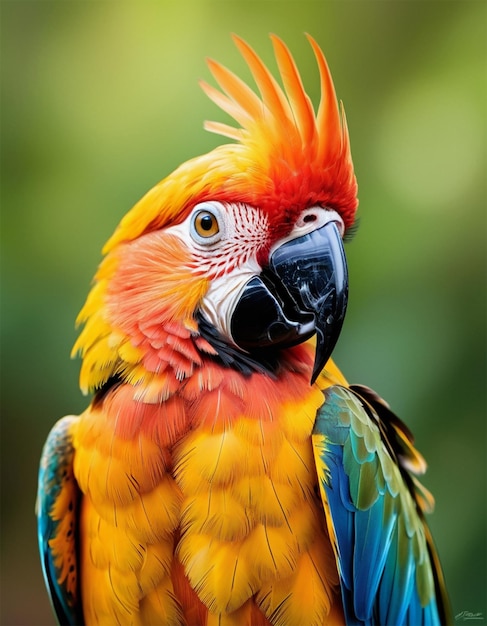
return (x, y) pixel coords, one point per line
(389, 570)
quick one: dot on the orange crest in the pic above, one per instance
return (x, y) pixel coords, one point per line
(285, 157)
(295, 159)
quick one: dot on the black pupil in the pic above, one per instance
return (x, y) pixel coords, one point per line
(206, 222)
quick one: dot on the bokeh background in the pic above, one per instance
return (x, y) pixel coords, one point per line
(100, 100)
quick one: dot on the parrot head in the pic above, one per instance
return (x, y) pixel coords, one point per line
(237, 255)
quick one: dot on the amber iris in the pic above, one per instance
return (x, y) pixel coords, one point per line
(206, 224)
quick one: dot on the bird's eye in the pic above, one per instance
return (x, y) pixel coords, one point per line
(205, 226)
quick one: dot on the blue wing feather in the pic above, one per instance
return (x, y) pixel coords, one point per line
(370, 547)
(389, 572)
(56, 508)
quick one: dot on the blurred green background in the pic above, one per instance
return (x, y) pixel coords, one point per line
(100, 100)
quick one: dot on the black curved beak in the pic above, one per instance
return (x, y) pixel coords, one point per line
(304, 290)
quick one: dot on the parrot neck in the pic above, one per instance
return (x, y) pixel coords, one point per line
(213, 394)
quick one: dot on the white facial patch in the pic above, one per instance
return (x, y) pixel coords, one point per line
(224, 240)
(242, 232)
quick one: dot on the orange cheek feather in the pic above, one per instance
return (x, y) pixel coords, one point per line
(152, 298)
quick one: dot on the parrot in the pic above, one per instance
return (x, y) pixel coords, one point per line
(225, 472)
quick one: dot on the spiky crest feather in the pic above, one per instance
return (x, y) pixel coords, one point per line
(285, 157)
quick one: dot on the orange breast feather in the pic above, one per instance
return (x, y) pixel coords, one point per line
(202, 509)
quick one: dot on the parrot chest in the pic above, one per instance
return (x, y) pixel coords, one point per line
(223, 522)
(252, 532)
(250, 527)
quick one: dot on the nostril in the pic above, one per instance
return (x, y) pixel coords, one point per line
(310, 216)
(315, 217)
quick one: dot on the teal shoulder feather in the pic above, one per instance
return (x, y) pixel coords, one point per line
(57, 515)
(389, 570)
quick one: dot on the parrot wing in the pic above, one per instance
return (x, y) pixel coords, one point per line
(57, 518)
(389, 570)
